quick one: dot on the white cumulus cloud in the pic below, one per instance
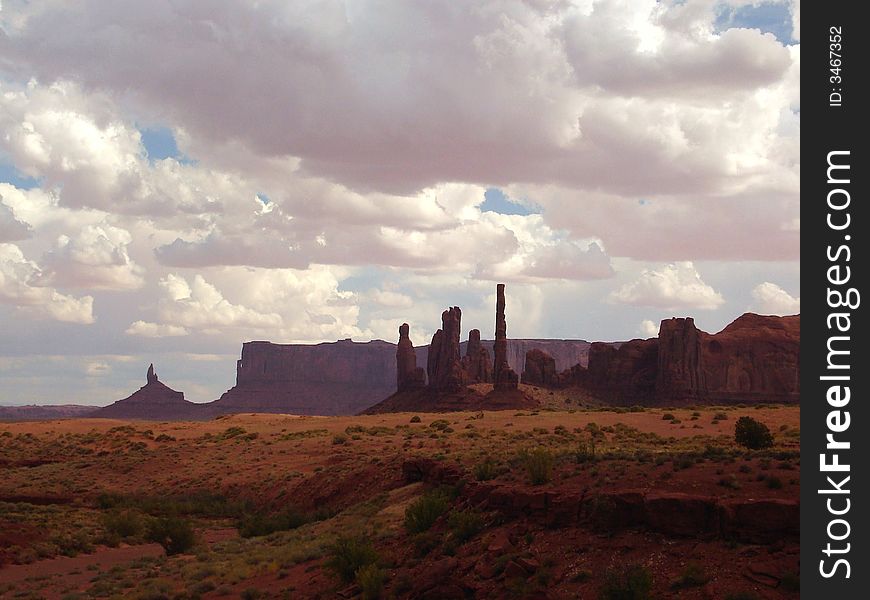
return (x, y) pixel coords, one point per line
(770, 299)
(674, 286)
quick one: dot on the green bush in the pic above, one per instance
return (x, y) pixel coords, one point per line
(668, 417)
(539, 465)
(774, 483)
(415, 419)
(422, 513)
(123, 523)
(633, 582)
(752, 434)
(253, 525)
(465, 524)
(370, 578)
(585, 451)
(339, 439)
(173, 533)
(348, 555)
(485, 470)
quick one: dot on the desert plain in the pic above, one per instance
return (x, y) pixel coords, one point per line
(568, 500)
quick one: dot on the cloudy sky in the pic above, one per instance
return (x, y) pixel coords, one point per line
(180, 176)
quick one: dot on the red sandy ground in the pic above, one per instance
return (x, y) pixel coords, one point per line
(315, 471)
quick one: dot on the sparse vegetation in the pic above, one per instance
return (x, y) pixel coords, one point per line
(752, 434)
(538, 463)
(175, 534)
(422, 513)
(370, 578)
(486, 470)
(350, 554)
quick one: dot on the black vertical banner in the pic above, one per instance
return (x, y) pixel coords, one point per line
(834, 223)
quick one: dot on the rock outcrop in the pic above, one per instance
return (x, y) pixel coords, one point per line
(476, 364)
(154, 402)
(504, 376)
(754, 359)
(540, 369)
(450, 378)
(336, 378)
(408, 375)
(444, 366)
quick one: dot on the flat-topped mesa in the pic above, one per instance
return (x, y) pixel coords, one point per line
(408, 375)
(476, 362)
(444, 365)
(540, 368)
(503, 376)
(680, 372)
(150, 376)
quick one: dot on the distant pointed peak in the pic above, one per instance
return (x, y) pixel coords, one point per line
(151, 376)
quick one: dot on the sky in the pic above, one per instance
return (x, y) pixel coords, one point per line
(180, 176)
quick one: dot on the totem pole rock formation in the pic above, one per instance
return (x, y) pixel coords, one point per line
(408, 375)
(503, 376)
(444, 365)
(476, 362)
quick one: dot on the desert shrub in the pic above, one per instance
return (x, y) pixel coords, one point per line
(539, 465)
(370, 578)
(692, 576)
(440, 424)
(585, 450)
(231, 432)
(164, 438)
(633, 582)
(123, 523)
(721, 416)
(752, 434)
(465, 524)
(774, 483)
(415, 419)
(251, 594)
(348, 555)
(109, 500)
(422, 513)
(486, 470)
(668, 417)
(252, 525)
(339, 439)
(173, 533)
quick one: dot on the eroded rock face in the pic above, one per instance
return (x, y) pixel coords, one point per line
(503, 376)
(408, 375)
(444, 364)
(476, 362)
(755, 359)
(540, 368)
(337, 378)
(679, 359)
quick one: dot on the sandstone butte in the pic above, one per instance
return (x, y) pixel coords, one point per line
(755, 359)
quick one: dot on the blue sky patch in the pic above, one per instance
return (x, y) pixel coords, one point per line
(160, 143)
(496, 201)
(769, 17)
(9, 174)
